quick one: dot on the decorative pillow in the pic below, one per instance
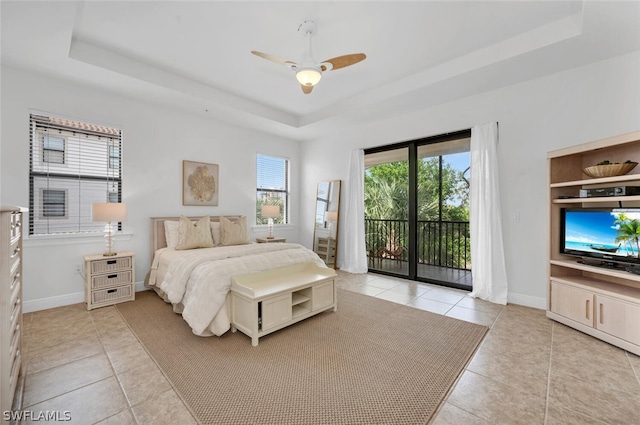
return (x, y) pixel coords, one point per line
(234, 233)
(172, 233)
(215, 232)
(194, 235)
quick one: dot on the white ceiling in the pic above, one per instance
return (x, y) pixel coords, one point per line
(196, 55)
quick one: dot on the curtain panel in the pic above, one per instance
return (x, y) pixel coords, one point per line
(487, 248)
(355, 253)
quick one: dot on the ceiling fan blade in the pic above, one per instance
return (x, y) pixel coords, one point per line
(306, 89)
(343, 61)
(272, 58)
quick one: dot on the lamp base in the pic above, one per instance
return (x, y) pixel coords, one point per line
(109, 254)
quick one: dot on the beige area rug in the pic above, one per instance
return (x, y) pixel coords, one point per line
(371, 362)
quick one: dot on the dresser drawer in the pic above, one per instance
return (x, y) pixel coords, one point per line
(15, 313)
(16, 225)
(14, 255)
(15, 280)
(15, 342)
(112, 279)
(15, 371)
(110, 264)
(111, 295)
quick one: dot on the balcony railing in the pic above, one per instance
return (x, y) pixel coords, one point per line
(440, 243)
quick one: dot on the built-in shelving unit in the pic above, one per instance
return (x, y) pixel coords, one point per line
(601, 302)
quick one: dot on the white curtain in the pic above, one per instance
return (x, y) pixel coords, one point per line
(487, 250)
(355, 254)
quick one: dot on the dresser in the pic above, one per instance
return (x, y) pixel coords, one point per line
(11, 219)
(108, 280)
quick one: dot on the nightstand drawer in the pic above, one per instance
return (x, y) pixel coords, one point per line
(113, 294)
(111, 264)
(112, 279)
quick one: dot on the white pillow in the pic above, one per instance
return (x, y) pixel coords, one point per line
(194, 235)
(172, 233)
(234, 232)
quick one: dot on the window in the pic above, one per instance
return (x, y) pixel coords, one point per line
(272, 187)
(53, 149)
(72, 165)
(54, 203)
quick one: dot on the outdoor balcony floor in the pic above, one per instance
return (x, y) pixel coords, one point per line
(433, 273)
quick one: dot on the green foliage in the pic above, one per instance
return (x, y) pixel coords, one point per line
(628, 232)
(269, 199)
(386, 191)
(386, 198)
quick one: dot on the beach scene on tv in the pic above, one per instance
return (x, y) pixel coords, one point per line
(604, 232)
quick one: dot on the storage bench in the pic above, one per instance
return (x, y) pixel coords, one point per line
(270, 300)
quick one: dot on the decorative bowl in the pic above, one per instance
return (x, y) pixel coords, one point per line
(609, 170)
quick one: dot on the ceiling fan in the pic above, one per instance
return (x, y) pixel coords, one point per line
(308, 71)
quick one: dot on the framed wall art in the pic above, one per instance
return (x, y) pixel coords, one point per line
(199, 183)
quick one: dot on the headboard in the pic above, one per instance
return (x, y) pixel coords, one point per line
(158, 239)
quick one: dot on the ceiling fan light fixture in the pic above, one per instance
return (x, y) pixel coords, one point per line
(308, 76)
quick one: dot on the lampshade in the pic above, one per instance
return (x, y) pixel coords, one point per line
(270, 211)
(331, 216)
(108, 212)
(308, 76)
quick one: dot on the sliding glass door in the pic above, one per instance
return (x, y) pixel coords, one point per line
(417, 210)
(386, 203)
(444, 245)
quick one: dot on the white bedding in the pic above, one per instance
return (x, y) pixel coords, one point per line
(197, 281)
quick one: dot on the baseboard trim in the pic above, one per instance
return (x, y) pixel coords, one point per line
(62, 300)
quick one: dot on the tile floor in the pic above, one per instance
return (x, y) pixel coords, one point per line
(528, 370)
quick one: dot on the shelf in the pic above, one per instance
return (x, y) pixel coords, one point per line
(299, 310)
(298, 298)
(597, 199)
(573, 264)
(614, 179)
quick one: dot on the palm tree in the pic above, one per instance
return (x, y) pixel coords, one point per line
(629, 232)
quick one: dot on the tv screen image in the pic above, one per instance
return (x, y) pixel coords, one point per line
(609, 234)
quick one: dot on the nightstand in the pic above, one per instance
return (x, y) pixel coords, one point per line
(108, 280)
(274, 240)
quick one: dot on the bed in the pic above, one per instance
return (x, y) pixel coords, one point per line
(194, 273)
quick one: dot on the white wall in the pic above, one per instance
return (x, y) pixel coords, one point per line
(155, 141)
(563, 109)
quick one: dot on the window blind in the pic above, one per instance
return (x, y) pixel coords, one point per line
(272, 187)
(72, 164)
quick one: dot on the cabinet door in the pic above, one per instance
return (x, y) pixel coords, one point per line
(276, 311)
(618, 318)
(322, 295)
(573, 303)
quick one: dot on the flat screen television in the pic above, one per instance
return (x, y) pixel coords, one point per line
(610, 235)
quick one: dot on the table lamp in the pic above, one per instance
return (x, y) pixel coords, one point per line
(330, 217)
(270, 211)
(108, 212)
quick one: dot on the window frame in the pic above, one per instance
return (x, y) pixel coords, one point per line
(89, 173)
(285, 193)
